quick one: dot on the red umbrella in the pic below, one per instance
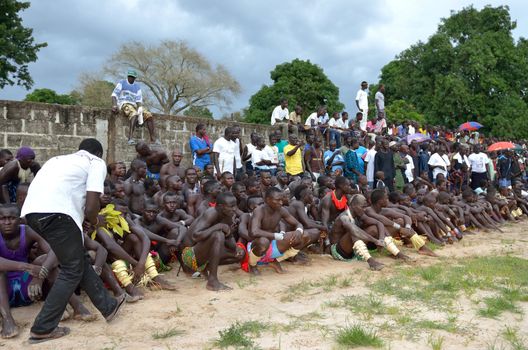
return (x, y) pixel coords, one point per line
(470, 126)
(499, 146)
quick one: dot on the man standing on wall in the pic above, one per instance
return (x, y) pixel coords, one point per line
(127, 97)
(280, 116)
(71, 186)
(362, 104)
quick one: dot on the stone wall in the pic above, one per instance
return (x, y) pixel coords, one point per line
(52, 130)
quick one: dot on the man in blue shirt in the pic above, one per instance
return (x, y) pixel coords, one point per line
(200, 147)
(127, 98)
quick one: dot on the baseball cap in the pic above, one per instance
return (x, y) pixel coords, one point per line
(132, 73)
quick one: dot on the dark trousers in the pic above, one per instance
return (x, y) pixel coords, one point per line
(64, 238)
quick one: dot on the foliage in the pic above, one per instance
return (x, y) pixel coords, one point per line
(470, 69)
(50, 96)
(198, 112)
(94, 91)
(176, 76)
(17, 47)
(357, 336)
(302, 83)
(399, 111)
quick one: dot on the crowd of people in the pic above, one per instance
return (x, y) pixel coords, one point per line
(326, 186)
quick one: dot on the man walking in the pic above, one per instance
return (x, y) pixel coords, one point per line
(62, 201)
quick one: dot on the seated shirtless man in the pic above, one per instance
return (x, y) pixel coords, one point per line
(153, 158)
(396, 223)
(160, 226)
(22, 282)
(208, 238)
(211, 189)
(270, 244)
(172, 168)
(172, 210)
(135, 188)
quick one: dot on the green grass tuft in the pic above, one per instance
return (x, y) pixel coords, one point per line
(436, 343)
(512, 337)
(356, 336)
(172, 332)
(238, 335)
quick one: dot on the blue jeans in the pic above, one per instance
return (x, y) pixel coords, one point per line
(335, 135)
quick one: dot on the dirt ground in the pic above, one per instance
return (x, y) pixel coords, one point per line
(296, 307)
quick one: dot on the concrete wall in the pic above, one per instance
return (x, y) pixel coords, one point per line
(52, 130)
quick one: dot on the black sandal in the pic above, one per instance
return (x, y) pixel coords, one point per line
(120, 301)
(58, 332)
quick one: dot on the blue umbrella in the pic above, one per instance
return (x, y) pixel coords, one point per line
(418, 137)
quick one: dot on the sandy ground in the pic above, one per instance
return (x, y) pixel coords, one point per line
(301, 321)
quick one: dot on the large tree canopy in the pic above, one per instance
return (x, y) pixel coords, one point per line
(17, 47)
(302, 83)
(175, 75)
(94, 91)
(470, 69)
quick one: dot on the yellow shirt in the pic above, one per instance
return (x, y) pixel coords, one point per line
(293, 163)
(295, 118)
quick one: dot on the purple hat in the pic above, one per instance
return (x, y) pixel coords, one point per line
(25, 152)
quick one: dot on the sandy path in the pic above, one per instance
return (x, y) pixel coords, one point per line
(300, 319)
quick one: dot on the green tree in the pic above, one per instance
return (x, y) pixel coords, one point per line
(94, 91)
(198, 112)
(50, 96)
(17, 47)
(470, 69)
(176, 76)
(399, 111)
(302, 83)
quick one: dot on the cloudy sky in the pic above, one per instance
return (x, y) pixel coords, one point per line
(350, 40)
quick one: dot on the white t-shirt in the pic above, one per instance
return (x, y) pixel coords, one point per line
(409, 168)
(61, 185)
(340, 123)
(478, 162)
(332, 122)
(442, 161)
(272, 153)
(250, 148)
(279, 114)
(380, 99)
(462, 159)
(259, 155)
(362, 98)
(412, 130)
(312, 119)
(226, 150)
(369, 158)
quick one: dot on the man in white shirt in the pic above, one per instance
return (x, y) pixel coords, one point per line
(479, 167)
(224, 153)
(409, 165)
(439, 163)
(379, 99)
(61, 203)
(369, 163)
(362, 104)
(314, 119)
(280, 116)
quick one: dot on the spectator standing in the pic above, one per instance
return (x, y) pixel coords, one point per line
(369, 161)
(200, 147)
(362, 104)
(379, 99)
(479, 166)
(293, 156)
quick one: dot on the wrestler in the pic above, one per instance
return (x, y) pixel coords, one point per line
(172, 210)
(153, 158)
(211, 189)
(22, 169)
(173, 167)
(134, 187)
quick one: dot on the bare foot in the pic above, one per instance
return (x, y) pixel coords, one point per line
(426, 251)
(404, 257)
(134, 292)
(85, 317)
(275, 265)
(9, 329)
(254, 270)
(163, 284)
(216, 286)
(375, 265)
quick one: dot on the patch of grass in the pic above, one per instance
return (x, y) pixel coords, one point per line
(438, 285)
(365, 305)
(512, 337)
(356, 336)
(326, 284)
(436, 343)
(429, 324)
(171, 332)
(237, 335)
(243, 283)
(495, 306)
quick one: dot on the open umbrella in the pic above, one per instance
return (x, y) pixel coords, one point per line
(499, 146)
(418, 137)
(470, 126)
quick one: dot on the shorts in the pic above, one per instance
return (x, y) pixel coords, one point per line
(153, 176)
(271, 254)
(130, 111)
(334, 251)
(189, 259)
(17, 288)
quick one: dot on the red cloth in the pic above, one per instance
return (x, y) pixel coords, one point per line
(212, 205)
(244, 264)
(340, 204)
